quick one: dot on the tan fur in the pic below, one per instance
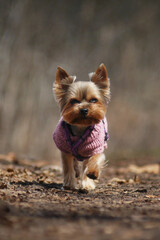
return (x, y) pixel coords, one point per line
(68, 171)
(100, 78)
(83, 92)
(72, 98)
(95, 165)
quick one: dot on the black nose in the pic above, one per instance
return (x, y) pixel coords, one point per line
(84, 111)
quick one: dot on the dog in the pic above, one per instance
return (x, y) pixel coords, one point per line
(82, 131)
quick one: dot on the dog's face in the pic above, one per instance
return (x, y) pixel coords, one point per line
(82, 103)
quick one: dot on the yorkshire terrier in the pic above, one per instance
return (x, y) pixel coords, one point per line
(82, 132)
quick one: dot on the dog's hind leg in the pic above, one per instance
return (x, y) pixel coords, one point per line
(92, 170)
(95, 165)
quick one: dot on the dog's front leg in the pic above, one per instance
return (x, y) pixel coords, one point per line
(86, 182)
(95, 165)
(68, 171)
(91, 170)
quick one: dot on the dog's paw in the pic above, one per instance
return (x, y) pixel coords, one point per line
(70, 186)
(88, 184)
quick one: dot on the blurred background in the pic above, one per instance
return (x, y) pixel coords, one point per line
(37, 36)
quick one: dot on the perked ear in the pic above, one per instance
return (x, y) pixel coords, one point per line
(61, 74)
(61, 85)
(63, 78)
(101, 79)
(100, 76)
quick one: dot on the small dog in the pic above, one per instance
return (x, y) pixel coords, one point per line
(82, 131)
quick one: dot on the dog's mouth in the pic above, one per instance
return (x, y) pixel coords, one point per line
(84, 117)
(85, 121)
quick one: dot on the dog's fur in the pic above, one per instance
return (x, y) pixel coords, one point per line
(73, 97)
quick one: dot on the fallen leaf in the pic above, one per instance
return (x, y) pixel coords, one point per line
(151, 196)
(118, 180)
(151, 168)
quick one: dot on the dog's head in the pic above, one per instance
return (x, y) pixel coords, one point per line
(82, 103)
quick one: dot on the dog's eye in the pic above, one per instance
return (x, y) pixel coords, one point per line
(74, 101)
(93, 100)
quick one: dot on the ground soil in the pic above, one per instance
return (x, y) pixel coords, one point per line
(33, 205)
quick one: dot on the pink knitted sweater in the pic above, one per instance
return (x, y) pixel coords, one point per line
(92, 142)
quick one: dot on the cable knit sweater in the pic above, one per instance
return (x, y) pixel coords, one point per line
(93, 140)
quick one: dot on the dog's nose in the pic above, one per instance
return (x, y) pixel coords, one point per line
(84, 111)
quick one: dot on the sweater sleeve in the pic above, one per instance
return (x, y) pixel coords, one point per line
(59, 138)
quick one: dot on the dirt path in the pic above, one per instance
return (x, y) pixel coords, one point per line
(125, 204)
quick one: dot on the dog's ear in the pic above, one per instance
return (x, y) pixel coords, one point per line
(100, 78)
(62, 77)
(61, 85)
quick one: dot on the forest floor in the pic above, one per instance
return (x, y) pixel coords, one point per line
(33, 205)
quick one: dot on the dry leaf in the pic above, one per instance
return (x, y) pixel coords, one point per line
(151, 168)
(118, 180)
(151, 196)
